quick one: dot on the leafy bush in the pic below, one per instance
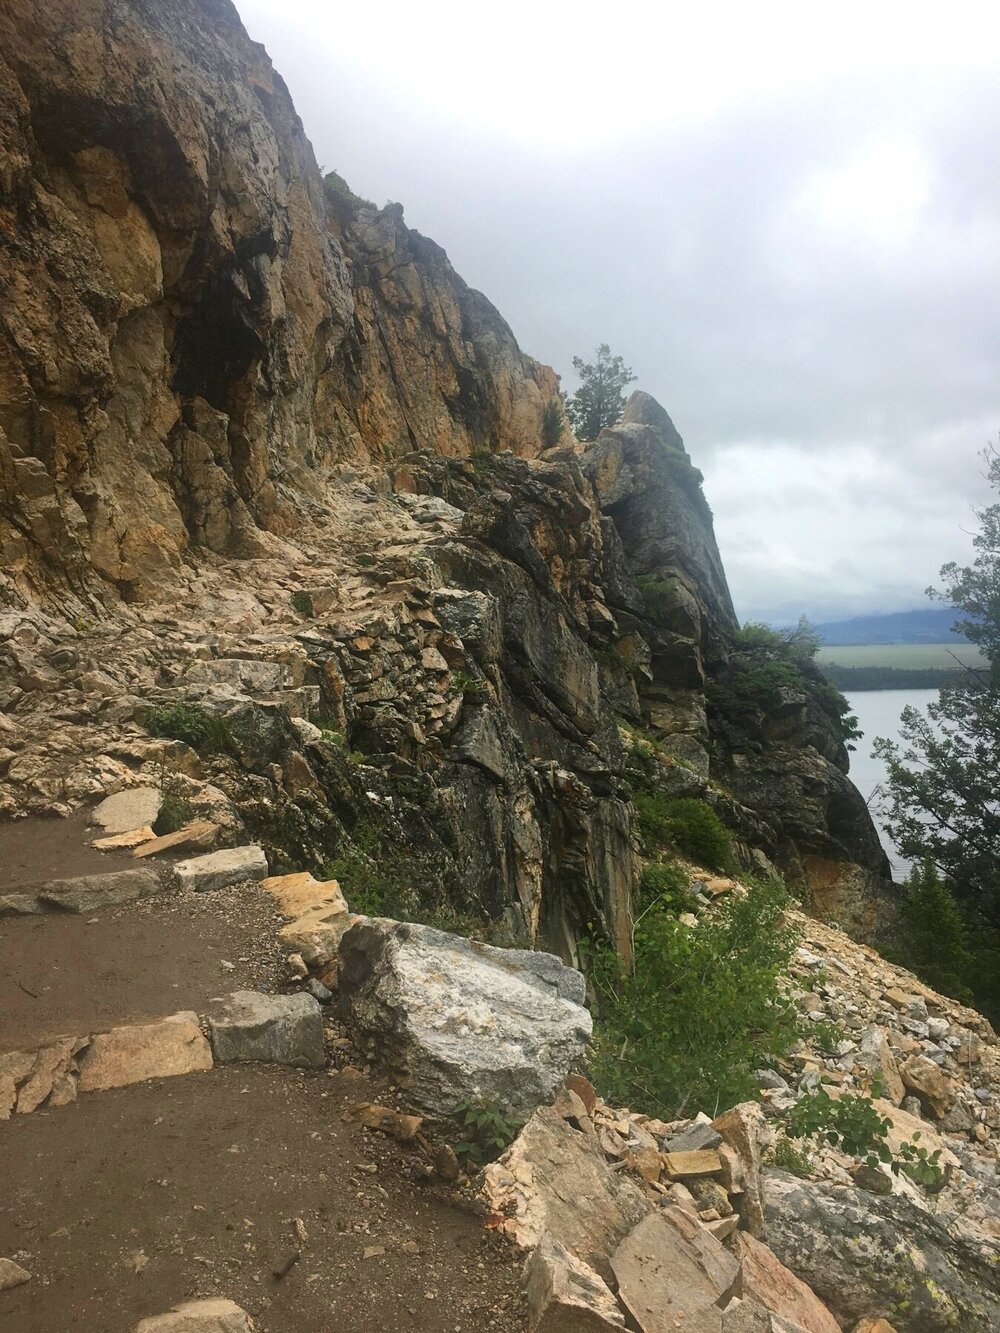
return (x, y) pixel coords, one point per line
(664, 883)
(487, 1131)
(175, 812)
(854, 1125)
(701, 1008)
(192, 724)
(687, 824)
(470, 686)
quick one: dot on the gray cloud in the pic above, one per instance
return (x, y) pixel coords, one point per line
(806, 281)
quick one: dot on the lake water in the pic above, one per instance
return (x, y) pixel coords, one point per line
(878, 715)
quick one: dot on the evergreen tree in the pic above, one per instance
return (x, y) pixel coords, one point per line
(600, 400)
(553, 421)
(943, 788)
(942, 793)
(933, 939)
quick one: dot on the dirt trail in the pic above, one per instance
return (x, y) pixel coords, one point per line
(35, 850)
(130, 1201)
(70, 975)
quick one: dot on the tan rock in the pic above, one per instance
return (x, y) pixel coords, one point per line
(136, 807)
(584, 1089)
(877, 1059)
(703, 1162)
(124, 841)
(873, 1326)
(565, 1295)
(930, 1083)
(316, 935)
(174, 1045)
(723, 1227)
(200, 833)
(554, 1179)
(12, 1275)
(211, 1316)
(765, 1278)
(647, 1163)
(717, 1261)
(899, 999)
(663, 1283)
(403, 1127)
(299, 893)
(743, 1130)
(53, 1076)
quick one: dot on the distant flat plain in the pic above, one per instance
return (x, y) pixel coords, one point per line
(911, 656)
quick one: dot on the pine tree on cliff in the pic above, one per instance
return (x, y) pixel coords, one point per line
(600, 400)
(942, 793)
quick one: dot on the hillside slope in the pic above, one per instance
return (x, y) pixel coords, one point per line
(227, 386)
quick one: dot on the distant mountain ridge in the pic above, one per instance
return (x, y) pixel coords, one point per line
(930, 625)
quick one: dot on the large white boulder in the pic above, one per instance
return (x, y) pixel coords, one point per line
(455, 1021)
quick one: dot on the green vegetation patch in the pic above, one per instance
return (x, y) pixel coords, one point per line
(701, 1008)
(687, 824)
(191, 723)
(907, 656)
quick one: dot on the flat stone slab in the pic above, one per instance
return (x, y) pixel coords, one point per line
(125, 1055)
(217, 870)
(300, 892)
(89, 893)
(199, 833)
(116, 842)
(271, 1029)
(210, 1316)
(664, 1283)
(131, 809)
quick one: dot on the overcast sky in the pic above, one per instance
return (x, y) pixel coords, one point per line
(786, 220)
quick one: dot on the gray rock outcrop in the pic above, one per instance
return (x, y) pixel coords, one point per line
(863, 1252)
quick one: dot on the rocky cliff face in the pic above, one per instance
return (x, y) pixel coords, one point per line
(262, 451)
(191, 335)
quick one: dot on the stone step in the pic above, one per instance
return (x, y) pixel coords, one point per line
(247, 1026)
(85, 893)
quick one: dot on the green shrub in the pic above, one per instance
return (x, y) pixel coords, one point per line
(376, 877)
(470, 686)
(766, 661)
(701, 1008)
(553, 423)
(854, 1126)
(785, 1155)
(487, 1131)
(686, 823)
(932, 938)
(192, 724)
(175, 812)
(663, 883)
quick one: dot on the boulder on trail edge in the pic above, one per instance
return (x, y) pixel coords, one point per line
(211, 1316)
(86, 893)
(217, 870)
(271, 1029)
(455, 1021)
